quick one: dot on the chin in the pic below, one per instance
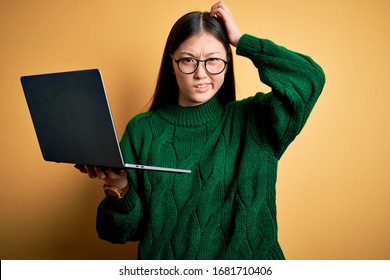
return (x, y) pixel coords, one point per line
(204, 100)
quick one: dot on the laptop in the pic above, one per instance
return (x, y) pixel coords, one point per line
(73, 121)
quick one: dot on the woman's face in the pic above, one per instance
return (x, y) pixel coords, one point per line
(200, 86)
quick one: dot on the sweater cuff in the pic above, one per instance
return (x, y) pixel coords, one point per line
(249, 46)
(122, 205)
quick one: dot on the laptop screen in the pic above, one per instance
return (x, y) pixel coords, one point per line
(72, 118)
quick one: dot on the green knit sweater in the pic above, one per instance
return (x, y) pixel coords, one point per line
(224, 209)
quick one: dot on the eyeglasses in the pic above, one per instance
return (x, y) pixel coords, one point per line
(188, 65)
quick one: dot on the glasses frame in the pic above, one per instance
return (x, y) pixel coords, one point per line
(197, 64)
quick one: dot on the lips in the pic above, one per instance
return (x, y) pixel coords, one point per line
(201, 85)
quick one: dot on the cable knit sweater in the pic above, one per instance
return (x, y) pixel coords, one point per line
(224, 209)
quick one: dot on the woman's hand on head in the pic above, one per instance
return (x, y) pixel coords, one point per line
(111, 177)
(221, 12)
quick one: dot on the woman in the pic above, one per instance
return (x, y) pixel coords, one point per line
(224, 209)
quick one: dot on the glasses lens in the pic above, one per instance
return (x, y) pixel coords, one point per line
(215, 65)
(187, 65)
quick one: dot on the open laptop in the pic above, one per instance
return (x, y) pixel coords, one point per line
(73, 121)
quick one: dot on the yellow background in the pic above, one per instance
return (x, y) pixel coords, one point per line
(333, 182)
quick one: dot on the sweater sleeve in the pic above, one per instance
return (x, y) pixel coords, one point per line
(296, 82)
(120, 220)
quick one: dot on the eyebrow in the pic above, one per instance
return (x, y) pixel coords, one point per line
(207, 55)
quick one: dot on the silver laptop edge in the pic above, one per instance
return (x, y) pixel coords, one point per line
(155, 168)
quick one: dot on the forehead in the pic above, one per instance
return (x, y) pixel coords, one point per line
(202, 43)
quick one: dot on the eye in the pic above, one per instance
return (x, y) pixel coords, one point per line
(214, 60)
(187, 60)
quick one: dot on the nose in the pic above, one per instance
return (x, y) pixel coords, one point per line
(200, 72)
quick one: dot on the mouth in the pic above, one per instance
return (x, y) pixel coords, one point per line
(200, 86)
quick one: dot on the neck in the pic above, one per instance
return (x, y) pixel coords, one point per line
(192, 116)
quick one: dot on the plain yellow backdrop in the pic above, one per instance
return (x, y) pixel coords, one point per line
(333, 181)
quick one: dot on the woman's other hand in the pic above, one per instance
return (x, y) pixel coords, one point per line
(221, 12)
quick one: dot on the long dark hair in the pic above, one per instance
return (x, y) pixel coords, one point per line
(167, 91)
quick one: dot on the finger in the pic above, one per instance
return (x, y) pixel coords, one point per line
(100, 172)
(214, 9)
(122, 173)
(115, 173)
(216, 5)
(81, 168)
(221, 14)
(90, 170)
(110, 173)
(220, 10)
(224, 6)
